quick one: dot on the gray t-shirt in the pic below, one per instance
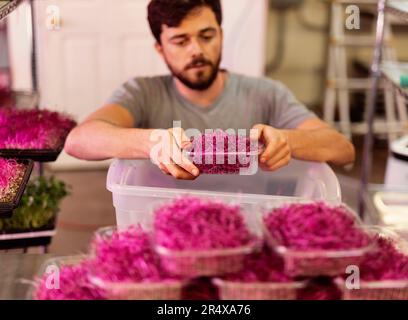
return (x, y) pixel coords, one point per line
(245, 101)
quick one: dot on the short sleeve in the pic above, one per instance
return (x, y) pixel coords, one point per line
(131, 97)
(287, 112)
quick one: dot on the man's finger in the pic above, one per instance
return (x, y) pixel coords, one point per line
(279, 154)
(183, 162)
(269, 152)
(164, 169)
(264, 167)
(281, 163)
(180, 136)
(189, 167)
(179, 173)
(256, 132)
(178, 157)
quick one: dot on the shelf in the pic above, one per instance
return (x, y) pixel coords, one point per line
(380, 126)
(26, 240)
(7, 6)
(21, 99)
(357, 41)
(353, 1)
(398, 8)
(392, 72)
(27, 235)
(351, 84)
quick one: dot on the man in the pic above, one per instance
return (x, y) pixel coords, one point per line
(200, 95)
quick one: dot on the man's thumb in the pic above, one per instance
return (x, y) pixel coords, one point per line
(256, 132)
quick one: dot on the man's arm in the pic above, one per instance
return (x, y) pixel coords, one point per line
(313, 140)
(108, 133)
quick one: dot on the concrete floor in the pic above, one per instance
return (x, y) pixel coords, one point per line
(350, 179)
(89, 206)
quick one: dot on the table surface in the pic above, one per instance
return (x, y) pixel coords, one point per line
(16, 270)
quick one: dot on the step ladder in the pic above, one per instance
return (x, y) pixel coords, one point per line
(339, 85)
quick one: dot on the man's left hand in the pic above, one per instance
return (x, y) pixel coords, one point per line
(277, 152)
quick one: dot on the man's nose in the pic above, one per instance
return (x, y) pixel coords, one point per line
(196, 48)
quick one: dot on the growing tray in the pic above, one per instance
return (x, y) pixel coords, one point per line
(205, 263)
(232, 290)
(380, 289)
(6, 208)
(38, 155)
(315, 263)
(168, 290)
(50, 226)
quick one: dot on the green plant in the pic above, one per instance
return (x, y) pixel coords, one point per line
(39, 205)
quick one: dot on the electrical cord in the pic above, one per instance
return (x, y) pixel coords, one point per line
(280, 45)
(284, 4)
(281, 26)
(301, 17)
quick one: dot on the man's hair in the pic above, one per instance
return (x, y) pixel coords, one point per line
(172, 12)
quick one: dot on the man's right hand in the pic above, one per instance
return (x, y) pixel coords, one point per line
(167, 153)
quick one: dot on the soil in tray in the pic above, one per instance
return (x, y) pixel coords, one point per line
(12, 175)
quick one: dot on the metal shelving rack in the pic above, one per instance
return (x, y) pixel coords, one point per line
(392, 73)
(7, 6)
(340, 84)
(379, 69)
(398, 8)
(40, 238)
(26, 99)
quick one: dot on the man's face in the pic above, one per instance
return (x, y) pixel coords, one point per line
(192, 51)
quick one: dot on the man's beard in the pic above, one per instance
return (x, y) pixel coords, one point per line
(201, 84)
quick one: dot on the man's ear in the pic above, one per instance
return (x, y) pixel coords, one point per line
(159, 48)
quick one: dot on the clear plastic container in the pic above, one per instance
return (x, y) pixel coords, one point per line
(231, 290)
(169, 290)
(387, 206)
(137, 184)
(377, 290)
(380, 290)
(314, 263)
(166, 290)
(222, 153)
(214, 262)
(232, 162)
(207, 263)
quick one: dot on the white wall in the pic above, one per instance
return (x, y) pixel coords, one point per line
(19, 43)
(245, 27)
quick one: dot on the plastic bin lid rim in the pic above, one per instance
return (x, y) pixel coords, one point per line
(172, 192)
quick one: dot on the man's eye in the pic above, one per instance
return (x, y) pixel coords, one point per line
(207, 38)
(181, 43)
